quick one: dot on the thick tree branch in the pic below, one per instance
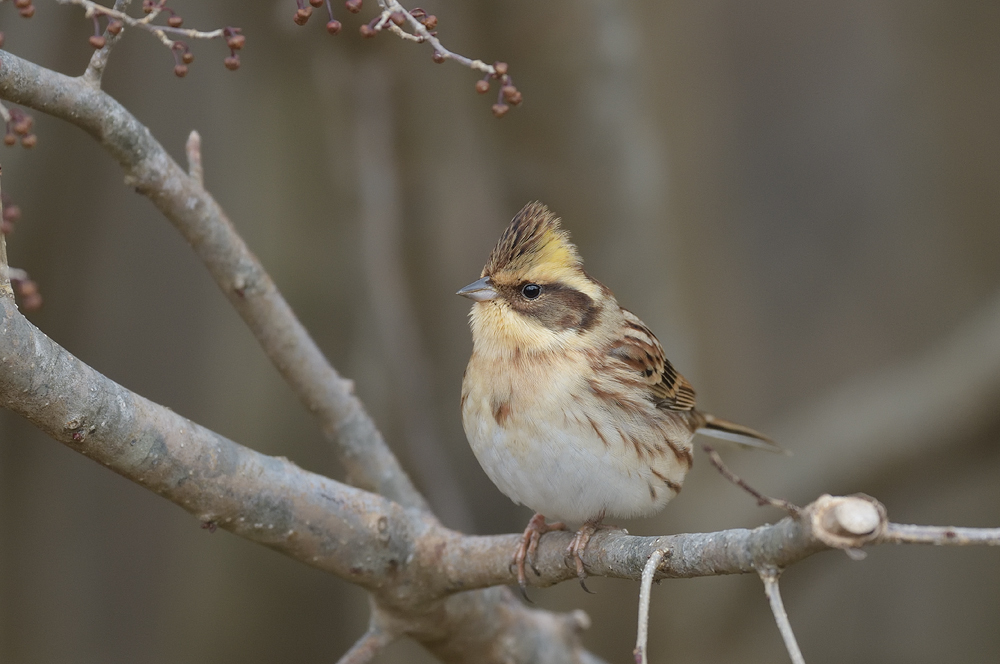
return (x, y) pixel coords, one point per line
(416, 569)
(392, 551)
(195, 213)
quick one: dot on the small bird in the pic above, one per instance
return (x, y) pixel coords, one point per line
(568, 402)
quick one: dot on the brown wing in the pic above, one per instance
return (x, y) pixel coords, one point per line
(640, 350)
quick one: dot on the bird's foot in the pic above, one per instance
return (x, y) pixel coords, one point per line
(528, 549)
(579, 544)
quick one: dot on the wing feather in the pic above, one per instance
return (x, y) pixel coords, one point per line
(641, 351)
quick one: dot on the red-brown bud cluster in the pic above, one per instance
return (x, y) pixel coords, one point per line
(508, 94)
(333, 26)
(27, 291)
(25, 8)
(235, 41)
(20, 124)
(182, 58)
(429, 21)
(97, 40)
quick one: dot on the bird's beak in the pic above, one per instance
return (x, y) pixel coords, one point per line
(479, 291)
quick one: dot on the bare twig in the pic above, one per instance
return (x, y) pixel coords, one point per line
(370, 644)
(645, 589)
(770, 578)
(193, 150)
(762, 500)
(897, 533)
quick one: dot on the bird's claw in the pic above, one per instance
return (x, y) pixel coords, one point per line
(527, 550)
(579, 544)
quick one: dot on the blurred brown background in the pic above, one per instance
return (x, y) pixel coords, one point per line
(801, 199)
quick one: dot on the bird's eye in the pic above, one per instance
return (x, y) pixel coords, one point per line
(531, 291)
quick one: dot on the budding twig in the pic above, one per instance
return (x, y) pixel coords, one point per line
(118, 19)
(394, 17)
(112, 33)
(92, 9)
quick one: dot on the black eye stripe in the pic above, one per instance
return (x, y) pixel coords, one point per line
(562, 308)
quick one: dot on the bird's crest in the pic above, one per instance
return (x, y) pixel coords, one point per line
(533, 239)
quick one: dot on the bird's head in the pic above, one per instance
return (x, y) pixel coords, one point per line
(533, 294)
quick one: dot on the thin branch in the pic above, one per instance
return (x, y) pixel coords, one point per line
(645, 590)
(770, 578)
(897, 533)
(199, 218)
(370, 644)
(762, 500)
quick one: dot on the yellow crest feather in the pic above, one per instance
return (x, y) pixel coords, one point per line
(533, 239)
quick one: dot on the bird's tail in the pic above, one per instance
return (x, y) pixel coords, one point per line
(726, 430)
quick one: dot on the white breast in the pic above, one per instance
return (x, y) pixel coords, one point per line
(549, 443)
